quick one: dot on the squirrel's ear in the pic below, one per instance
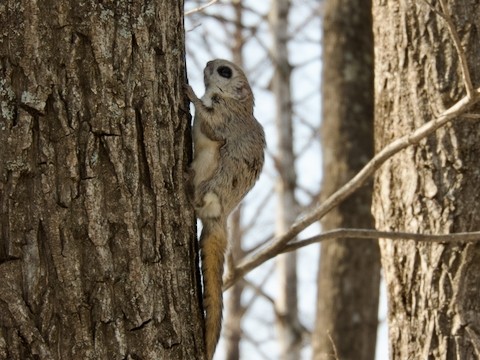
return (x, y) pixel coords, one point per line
(242, 91)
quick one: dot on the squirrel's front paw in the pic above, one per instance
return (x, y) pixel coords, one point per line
(189, 92)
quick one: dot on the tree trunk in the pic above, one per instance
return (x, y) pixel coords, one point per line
(98, 257)
(234, 310)
(233, 304)
(349, 272)
(289, 334)
(433, 187)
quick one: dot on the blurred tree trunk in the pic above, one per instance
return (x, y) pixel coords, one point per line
(98, 257)
(234, 308)
(233, 305)
(349, 272)
(434, 187)
(286, 302)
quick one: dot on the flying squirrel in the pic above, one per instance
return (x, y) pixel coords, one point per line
(229, 146)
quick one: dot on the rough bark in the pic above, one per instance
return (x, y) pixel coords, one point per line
(349, 271)
(432, 188)
(97, 250)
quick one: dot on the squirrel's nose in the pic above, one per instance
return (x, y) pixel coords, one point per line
(209, 67)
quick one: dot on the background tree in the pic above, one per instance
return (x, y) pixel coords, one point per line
(397, 73)
(233, 305)
(431, 188)
(286, 308)
(349, 271)
(214, 32)
(98, 258)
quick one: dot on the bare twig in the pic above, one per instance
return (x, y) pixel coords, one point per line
(459, 109)
(200, 8)
(445, 15)
(316, 13)
(471, 116)
(256, 215)
(458, 46)
(356, 182)
(373, 234)
(335, 353)
(261, 283)
(257, 344)
(259, 291)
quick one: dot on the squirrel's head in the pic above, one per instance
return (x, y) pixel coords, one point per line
(227, 79)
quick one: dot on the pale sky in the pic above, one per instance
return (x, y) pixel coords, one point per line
(206, 39)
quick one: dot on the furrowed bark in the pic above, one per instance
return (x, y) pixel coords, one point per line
(98, 257)
(432, 187)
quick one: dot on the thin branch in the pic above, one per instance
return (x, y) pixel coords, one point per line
(312, 195)
(260, 244)
(254, 298)
(356, 182)
(373, 234)
(445, 15)
(434, 9)
(458, 45)
(334, 348)
(316, 13)
(256, 344)
(313, 200)
(471, 116)
(200, 8)
(256, 215)
(259, 291)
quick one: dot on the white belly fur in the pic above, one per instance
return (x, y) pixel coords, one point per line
(204, 164)
(206, 157)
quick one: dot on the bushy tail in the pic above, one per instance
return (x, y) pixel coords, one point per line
(213, 243)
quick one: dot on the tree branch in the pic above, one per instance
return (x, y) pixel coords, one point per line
(200, 8)
(374, 234)
(445, 15)
(456, 111)
(346, 190)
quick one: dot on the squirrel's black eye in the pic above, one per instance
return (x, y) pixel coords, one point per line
(225, 71)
